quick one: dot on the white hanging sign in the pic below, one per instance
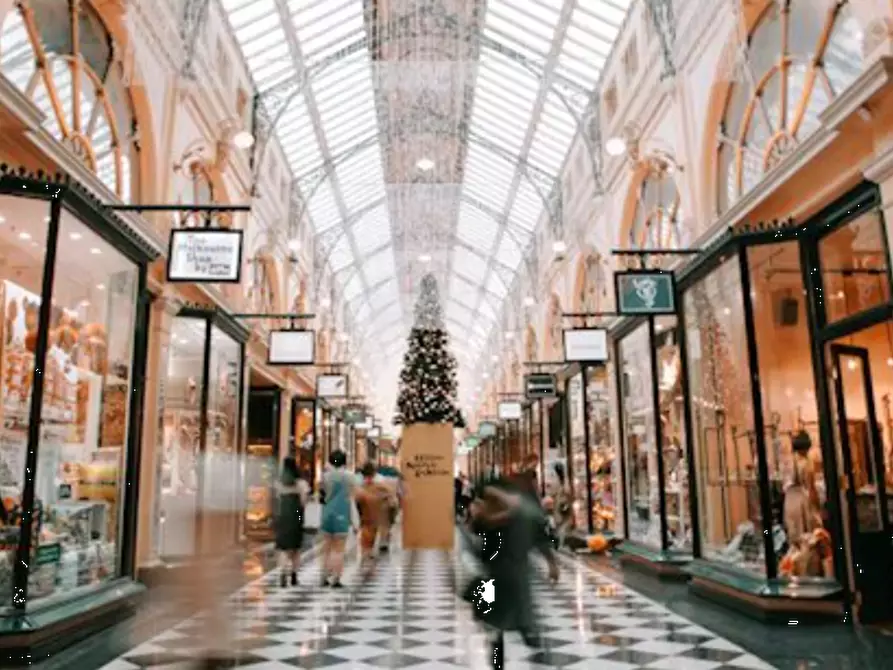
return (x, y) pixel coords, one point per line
(205, 255)
(291, 347)
(586, 345)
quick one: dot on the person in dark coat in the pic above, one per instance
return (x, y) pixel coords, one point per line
(510, 524)
(292, 492)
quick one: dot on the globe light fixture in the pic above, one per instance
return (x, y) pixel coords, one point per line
(243, 140)
(425, 164)
(559, 247)
(616, 146)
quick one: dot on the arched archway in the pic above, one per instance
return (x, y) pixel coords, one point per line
(66, 59)
(800, 55)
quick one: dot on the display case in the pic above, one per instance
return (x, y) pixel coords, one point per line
(72, 364)
(305, 438)
(261, 462)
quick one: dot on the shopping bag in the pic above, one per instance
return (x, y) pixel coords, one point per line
(312, 514)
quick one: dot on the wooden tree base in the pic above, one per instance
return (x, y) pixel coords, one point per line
(427, 464)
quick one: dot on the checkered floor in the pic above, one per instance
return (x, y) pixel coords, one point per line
(405, 615)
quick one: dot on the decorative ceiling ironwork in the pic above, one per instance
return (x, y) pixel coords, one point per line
(426, 136)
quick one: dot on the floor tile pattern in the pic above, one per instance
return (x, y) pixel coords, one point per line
(405, 615)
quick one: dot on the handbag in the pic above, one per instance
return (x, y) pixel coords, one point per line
(312, 514)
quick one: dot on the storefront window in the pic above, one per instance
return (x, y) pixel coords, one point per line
(643, 493)
(672, 421)
(601, 446)
(223, 407)
(303, 432)
(79, 491)
(182, 412)
(854, 264)
(24, 235)
(722, 420)
(577, 452)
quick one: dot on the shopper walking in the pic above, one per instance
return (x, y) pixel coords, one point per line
(292, 494)
(371, 502)
(508, 525)
(561, 501)
(338, 486)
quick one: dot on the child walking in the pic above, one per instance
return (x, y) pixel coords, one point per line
(371, 503)
(292, 493)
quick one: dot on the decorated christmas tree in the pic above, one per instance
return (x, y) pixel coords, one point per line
(428, 380)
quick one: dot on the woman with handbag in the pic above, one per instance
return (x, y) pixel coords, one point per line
(508, 526)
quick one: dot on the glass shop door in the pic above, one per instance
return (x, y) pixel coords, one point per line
(862, 483)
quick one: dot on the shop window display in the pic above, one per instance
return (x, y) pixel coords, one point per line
(643, 503)
(601, 447)
(800, 56)
(304, 436)
(722, 420)
(97, 125)
(82, 447)
(577, 452)
(672, 422)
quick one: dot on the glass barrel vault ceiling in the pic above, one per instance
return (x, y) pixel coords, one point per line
(517, 125)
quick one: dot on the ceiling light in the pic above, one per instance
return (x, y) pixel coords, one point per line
(616, 146)
(425, 258)
(510, 335)
(325, 303)
(100, 287)
(243, 140)
(24, 236)
(494, 358)
(2, 219)
(425, 164)
(344, 337)
(486, 375)
(852, 364)
(75, 236)
(559, 246)
(85, 303)
(95, 250)
(294, 245)
(529, 301)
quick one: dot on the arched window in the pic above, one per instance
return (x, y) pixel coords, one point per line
(800, 56)
(61, 56)
(657, 221)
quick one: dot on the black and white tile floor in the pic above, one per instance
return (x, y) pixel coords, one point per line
(406, 616)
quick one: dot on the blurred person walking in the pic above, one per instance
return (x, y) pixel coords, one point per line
(292, 495)
(507, 526)
(338, 487)
(562, 510)
(372, 500)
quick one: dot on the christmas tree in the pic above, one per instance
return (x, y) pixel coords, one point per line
(428, 379)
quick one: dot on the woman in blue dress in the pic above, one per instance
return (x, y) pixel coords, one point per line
(338, 486)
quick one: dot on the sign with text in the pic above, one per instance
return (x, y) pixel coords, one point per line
(331, 386)
(205, 255)
(540, 385)
(354, 415)
(509, 411)
(645, 292)
(291, 347)
(487, 429)
(424, 465)
(586, 345)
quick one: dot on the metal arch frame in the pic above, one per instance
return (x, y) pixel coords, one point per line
(664, 19)
(194, 16)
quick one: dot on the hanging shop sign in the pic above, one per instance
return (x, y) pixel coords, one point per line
(487, 429)
(354, 415)
(205, 255)
(373, 433)
(540, 385)
(331, 386)
(586, 345)
(509, 411)
(291, 347)
(644, 292)
(472, 441)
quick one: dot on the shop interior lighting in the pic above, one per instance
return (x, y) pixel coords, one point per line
(510, 335)
(890, 361)
(325, 303)
(2, 219)
(616, 146)
(100, 287)
(529, 301)
(75, 236)
(95, 251)
(24, 236)
(425, 258)
(425, 164)
(294, 245)
(852, 365)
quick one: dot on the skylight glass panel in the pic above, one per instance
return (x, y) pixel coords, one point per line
(361, 178)
(463, 291)
(508, 253)
(488, 177)
(341, 256)
(323, 209)
(469, 265)
(379, 266)
(384, 295)
(353, 289)
(363, 312)
(372, 231)
(388, 315)
(459, 313)
(476, 228)
(487, 311)
(496, 286)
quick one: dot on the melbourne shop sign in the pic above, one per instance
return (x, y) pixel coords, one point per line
(205, 255)
(645, 292)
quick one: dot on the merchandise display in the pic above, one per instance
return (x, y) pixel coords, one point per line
(602, 452)
(260, 480)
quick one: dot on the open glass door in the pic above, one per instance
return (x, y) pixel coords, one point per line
(862, 483)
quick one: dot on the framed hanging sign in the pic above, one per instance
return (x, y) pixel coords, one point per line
(487, 429)
(373, 433)
(509, 410)
(331, 386)
(354, 414)
(540, 385)
(205, 255)
(291, 347)
(645, 292)
(586, 345)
